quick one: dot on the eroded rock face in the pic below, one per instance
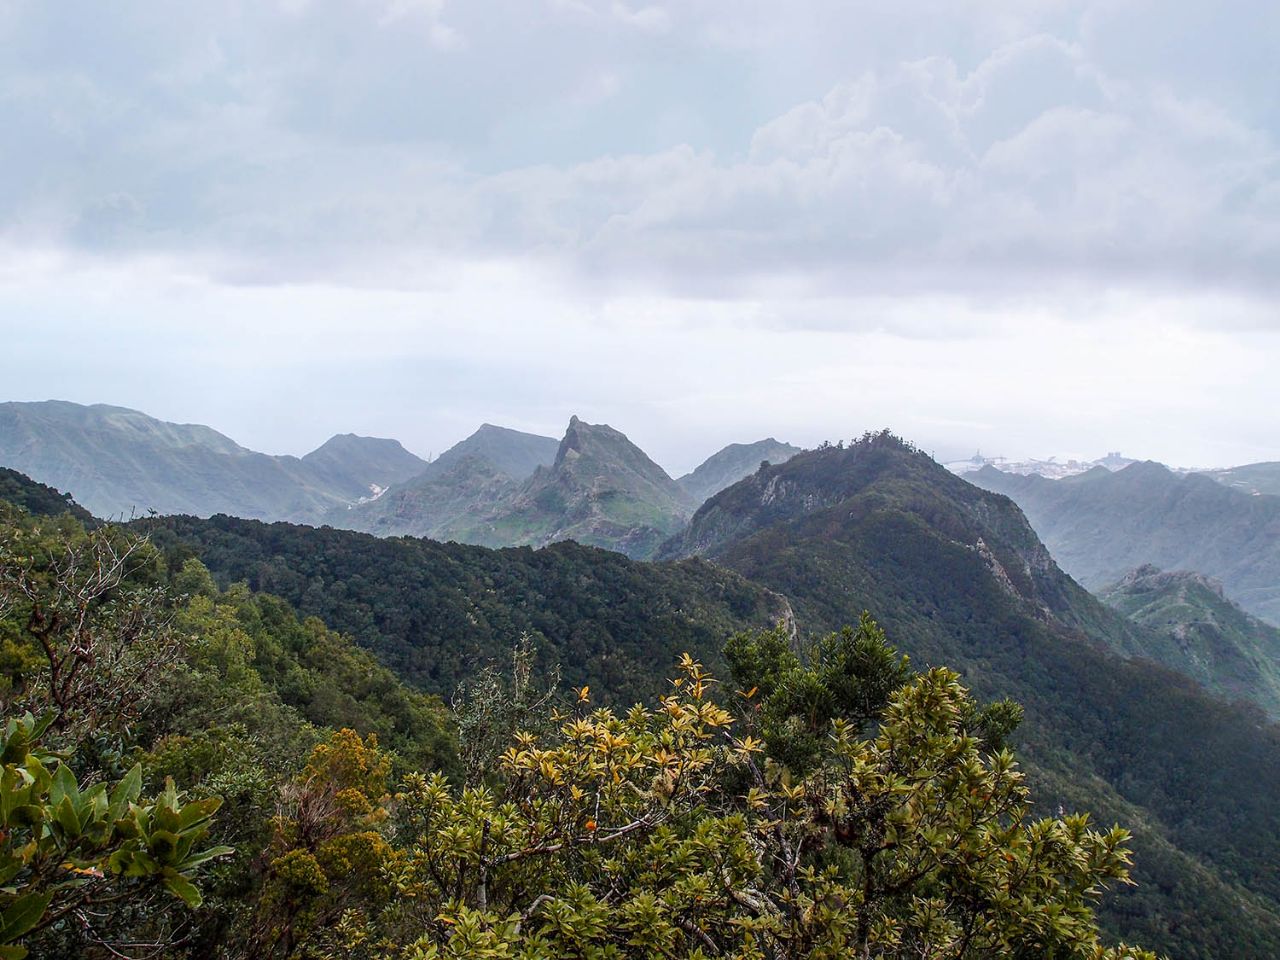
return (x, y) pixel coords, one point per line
(601, 490)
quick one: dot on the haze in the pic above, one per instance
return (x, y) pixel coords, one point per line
(1044, 228)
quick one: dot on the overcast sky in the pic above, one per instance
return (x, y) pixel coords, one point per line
(1032, 226)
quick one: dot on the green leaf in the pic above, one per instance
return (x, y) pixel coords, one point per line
(63, 785)
(162, 844)
(40, 726)
(182, 888)
(65, 813)
(197, 811)
(23, 914)
(198, 858)
(126, 792)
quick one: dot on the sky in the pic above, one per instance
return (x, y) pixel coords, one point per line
(1030, 227)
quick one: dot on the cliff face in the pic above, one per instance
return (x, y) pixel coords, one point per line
(1100, 525)
(601, 490)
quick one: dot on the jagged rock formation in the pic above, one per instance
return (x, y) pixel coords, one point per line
(601, 490)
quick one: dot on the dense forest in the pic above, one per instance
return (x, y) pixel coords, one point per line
(954, 573)
(958, 578)
(193, 771)
(436, 612)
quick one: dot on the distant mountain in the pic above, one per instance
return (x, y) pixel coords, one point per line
(601, 490)
(1254, 478)
(1052, 467)
(361, 466)
(1210, 638)
(467, 480)
(512, 452)
(957, 576)
(731, 464)
(1100, 525)
(117, 462)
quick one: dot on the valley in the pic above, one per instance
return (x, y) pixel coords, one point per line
(587, 555)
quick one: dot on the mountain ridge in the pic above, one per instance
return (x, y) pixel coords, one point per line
(957, 576)
(730, 464)
(1212, 639)
(1100, 526)
(121, 462)
(601, 490)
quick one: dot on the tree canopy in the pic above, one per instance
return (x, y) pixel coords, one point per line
(191, 771)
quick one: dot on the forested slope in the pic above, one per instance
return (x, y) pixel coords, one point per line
(435, 612)
(956, 576)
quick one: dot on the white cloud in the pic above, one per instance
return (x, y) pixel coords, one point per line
(1038, 162)
(431, 12)
(779, 216)
(650, 19)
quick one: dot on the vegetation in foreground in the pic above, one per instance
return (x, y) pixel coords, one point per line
(821, 805)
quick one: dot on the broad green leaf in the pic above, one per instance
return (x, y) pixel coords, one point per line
(182, 888)
(198, 858)
(65, 814)
(63, 785)
(23, 914)
(126, 792)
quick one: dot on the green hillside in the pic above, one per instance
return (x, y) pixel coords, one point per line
(464, 481)
(121, 463)
(1252, 478)
(601, 490)
(728, 466)
(436, 612)
(38, 499)
(502, 488)
(228, 692)
(956, 576)
(1211, 638)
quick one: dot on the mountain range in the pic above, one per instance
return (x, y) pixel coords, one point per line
(731, 464)
(466, 479)
(1254, 478)
(498, 487)
(953, 572)
(1100, 525)
(119, 462)
(503, 488)
(956, 575)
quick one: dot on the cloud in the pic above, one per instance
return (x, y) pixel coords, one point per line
(826, 151)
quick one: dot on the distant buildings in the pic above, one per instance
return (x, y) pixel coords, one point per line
(1053, 468)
